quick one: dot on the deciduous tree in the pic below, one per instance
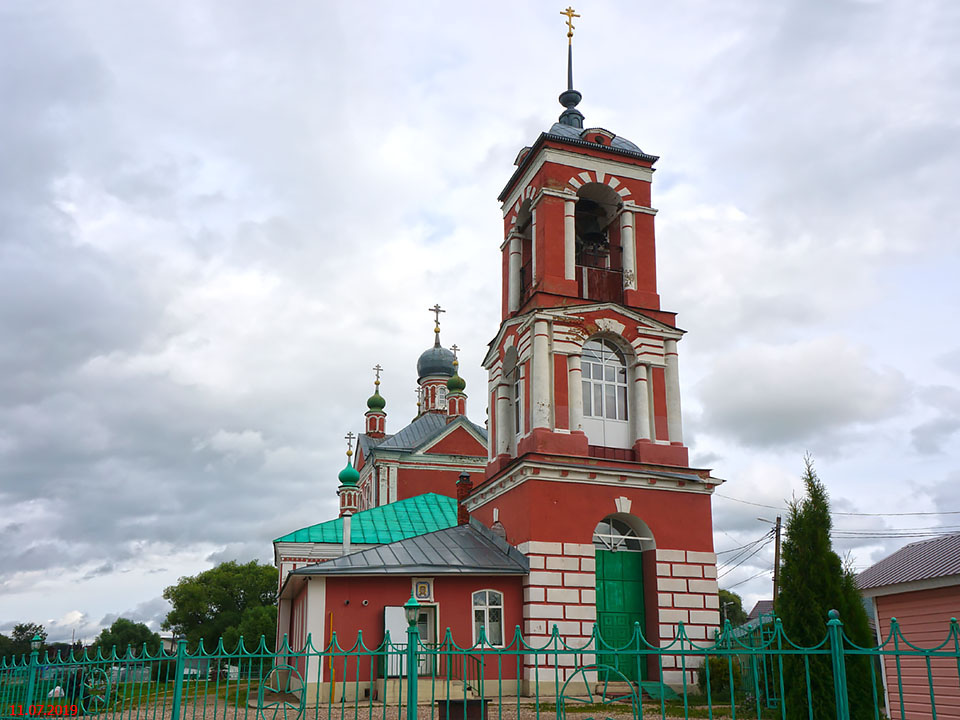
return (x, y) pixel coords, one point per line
(732, 606)
(226, 601)
(123, 633)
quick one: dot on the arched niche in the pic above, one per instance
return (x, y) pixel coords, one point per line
(524, 229)
(597, 233)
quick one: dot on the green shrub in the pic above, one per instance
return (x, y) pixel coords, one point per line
(720, 676)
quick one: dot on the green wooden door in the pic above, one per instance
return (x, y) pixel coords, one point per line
(619, 606)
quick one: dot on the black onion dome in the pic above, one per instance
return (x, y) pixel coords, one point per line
(435, 361)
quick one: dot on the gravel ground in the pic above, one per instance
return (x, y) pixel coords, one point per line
(527, 711)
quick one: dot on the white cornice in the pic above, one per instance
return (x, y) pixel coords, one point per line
(618, 477)
(574, 160)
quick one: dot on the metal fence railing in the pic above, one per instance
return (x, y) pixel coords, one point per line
(735, 675)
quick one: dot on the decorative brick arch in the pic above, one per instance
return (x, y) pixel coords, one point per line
(527, 194)
(598, 176)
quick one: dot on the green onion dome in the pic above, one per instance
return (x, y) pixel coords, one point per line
(349, 475)
(376, 403)
(456, 383)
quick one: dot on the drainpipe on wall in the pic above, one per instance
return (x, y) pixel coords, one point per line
(346, 532)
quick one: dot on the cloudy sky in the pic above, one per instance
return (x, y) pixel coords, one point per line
(215, 218)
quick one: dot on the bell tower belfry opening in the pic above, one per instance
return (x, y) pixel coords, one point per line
(585, 418)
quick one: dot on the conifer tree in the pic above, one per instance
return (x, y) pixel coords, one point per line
(813, 581)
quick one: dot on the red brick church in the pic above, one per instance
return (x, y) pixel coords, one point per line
(577, 506)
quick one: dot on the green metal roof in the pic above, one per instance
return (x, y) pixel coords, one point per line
(385, 524)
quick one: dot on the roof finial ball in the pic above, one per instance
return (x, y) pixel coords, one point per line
(570, 98)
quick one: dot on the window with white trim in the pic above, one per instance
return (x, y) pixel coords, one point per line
(488, 616)
(604, 381)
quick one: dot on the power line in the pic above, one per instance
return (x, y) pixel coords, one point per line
(762, 572)
(856, 514)
(746, 549)
(728, 570)
(740, 547)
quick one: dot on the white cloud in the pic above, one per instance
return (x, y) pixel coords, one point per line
(213, 223)
(788, 394)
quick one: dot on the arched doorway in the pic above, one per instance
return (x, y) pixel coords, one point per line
(619, 542)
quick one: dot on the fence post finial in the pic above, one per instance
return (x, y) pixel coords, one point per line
(835, 633)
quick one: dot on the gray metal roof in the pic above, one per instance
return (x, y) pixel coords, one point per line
(367, 443)
(922, 560)
(762, 606)
(572, 133)
(422, 430)
(571, 136)
(462, 550)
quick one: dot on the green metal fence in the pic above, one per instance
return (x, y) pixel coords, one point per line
(732, 676)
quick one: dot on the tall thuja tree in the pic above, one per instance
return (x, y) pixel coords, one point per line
(813, 581)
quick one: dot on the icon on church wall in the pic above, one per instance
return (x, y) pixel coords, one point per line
(423, 588)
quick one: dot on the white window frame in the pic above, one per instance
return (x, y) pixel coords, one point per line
(621, 386)
(485, 608)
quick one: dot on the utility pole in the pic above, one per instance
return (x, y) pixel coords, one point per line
(776, 562)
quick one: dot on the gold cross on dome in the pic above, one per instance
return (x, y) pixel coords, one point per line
(349, 438)
(377, 369)
(436, 310)
(571, 14)
(455, 351)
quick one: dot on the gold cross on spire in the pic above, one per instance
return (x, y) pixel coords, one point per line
(349, 438)
(377, 369)
(571, 14)
(436, 310)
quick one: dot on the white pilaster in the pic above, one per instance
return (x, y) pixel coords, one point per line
(575, 392)
(383, 489)
(672, 376)
(628, 246)
(504, 424)
(641, 401)
(316, 623)
(392, 482)
(541, 401)
(513, 273)
(569, 239)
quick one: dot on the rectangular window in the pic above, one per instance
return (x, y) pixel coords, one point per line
(622, 403)
(488, 616)
(586, 399)
(610, 401)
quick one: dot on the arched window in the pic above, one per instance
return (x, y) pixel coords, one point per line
(615, 535)
(605, 406)
(442, 398)
(488, 616)
(604, 381)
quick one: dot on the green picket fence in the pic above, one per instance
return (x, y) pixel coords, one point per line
(736, 675)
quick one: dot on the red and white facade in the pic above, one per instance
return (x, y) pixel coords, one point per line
(585, 427)
(569, 449)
